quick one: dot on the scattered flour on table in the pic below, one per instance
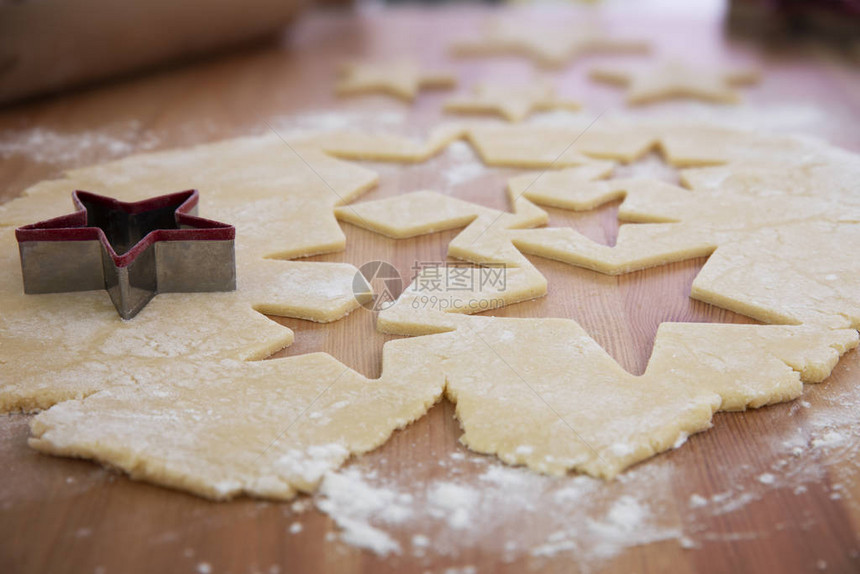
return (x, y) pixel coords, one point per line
(476, 502)
(766, 478)
(464, 165)
(352, 502)
(830, 439)
(460, 173)
(453, 503)
(445, 515)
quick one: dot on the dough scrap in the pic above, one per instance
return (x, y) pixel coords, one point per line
(401, 79)
(224, 428)
(531, 391)
(670, 80)
(542, 393)
(512, 102)
(546, 46)
(779, 258)
(503, 276)
(258, 184)
(747, 190)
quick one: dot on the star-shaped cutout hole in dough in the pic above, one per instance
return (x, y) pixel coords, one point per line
(401, 79)
(673, 79)
(512, 102)
(766, 252)
(547, 46)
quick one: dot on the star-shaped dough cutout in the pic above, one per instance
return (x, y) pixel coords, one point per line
(671, 80)
(512, 102)
(547, 46)
(401, 79)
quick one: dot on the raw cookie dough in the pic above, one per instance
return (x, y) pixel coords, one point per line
(542, 393)
(546, 46)
(512, 102)
(502, 275)
(752, 189)
(401, 79)
(258, 184)
(223, 428)
(527, 147)
(778, 257)
(671, 80)
(531, 391)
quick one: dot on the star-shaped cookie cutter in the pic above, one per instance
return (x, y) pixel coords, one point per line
(134, 250)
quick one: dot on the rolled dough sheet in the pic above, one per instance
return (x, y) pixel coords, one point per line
(538, 392)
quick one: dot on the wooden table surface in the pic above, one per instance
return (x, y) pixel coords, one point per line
(59, 515)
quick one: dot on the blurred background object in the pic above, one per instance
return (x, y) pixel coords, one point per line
(832, 20)
(50, 45)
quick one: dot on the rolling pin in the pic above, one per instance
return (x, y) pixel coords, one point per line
(51, 45)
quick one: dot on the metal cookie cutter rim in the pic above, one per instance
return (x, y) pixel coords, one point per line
(164, 247)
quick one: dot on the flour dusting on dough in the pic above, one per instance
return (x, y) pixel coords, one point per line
(81, 147)
(331, 120)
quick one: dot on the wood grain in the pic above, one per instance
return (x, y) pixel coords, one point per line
(60, 515)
